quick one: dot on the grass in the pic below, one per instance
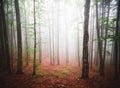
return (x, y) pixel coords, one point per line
(63, 75)
(55, 75)
(74, 72)
(95, 69)
(41, 74)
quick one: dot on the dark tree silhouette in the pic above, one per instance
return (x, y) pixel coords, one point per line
(85, 66)
(19, 37)
(34, 61)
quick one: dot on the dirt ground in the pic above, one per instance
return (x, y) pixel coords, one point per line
(54, 76)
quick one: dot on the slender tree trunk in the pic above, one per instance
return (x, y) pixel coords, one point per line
(101, 70)
(106, 33)
(12, 42)
(3, 64)
(78, 44)
(53, 53)
(34, 62)
(67, 52)
(50, 40)
(19, 38)
(118, 23)
(5, 37)
(92, 36)
(40, 39)
(85, 66)
(66, 40)
(116, 41)
(40, 48)
(53, 47)
(0, 47)
(26, 39)
(58, 62)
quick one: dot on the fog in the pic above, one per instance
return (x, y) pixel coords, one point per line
(58, 23)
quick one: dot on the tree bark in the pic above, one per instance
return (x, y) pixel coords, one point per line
(19, 38)
(34, 61)
(85, 66)
(6, 41)
(116, 41)
(99, 43)
(26, 39)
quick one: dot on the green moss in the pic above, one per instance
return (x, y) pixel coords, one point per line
(74, 72)
(63, 75)
(55, 75)
(64, 72)
(41, 74)
(95, 69)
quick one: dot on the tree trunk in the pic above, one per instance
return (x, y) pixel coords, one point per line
(116, 41)
(85, 67)
(19, 38)
(5, 31)
(106, 33)
(58, 62)
(40, 48)
(34, 62)
(26, 39)
(101, 70)
(78, 42)
(66, 40)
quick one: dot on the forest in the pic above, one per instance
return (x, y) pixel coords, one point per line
(59, 43)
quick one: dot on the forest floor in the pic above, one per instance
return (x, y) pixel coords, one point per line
(55, 76)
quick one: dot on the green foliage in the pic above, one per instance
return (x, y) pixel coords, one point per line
(9, 12)
(114, 19)
(39, 64)
(74, 72)
(63, 75)
(104, 20)
(105, 37)
(65, 71)
(22, 1)
(9, 21)
(41, 74)
(111, 29)
(30, 50)
(108, 52)
(96, 1)
(110, 37)
(55, 75)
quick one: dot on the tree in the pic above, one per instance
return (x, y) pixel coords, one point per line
(85, 66)
(34, 62)
(19, 38)
(91, 38)
(78, 44)
(39, 15)
(5, 33)
(12, 34)
(66, 39)
(26, 39)
(58, 62)
(53, 38)
(50, 46)
(116, 54)
(101, 70)
(2, 40)
(106, 33)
